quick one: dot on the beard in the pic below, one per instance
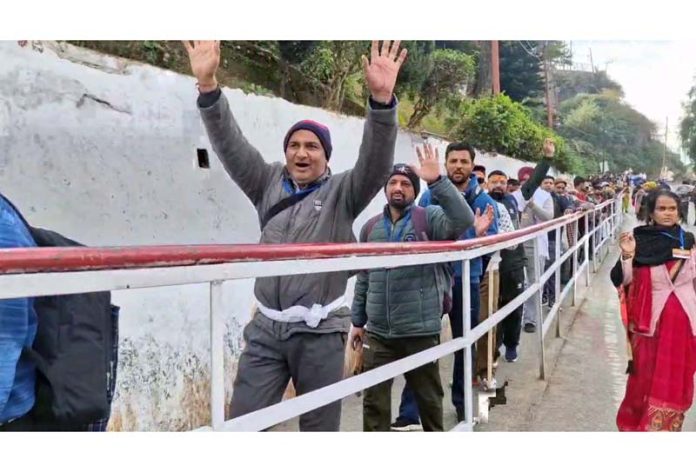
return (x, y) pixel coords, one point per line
(458, 179)
(400, 204)
(497, 194)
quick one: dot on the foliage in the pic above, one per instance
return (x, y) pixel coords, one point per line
(498, 124)
(687, 127)
(449, 73)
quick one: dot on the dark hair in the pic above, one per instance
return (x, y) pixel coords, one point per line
(578, 180)
(513, 181)
(650, 202)
(549, 177)
(460, 146)
(479, 168)
(499, 172)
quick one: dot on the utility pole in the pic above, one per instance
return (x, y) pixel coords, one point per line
(495, 66)
(664, 151)
(549, 110)
(591, 61)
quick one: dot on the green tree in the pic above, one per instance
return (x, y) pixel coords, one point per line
(450, 71)
(521, 69)
(291, 53)
(601, 127)
(498, 124)
(333, 63)
(687, 127)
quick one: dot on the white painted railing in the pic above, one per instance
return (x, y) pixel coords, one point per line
(54, 271)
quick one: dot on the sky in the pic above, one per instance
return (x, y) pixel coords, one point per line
(655, 75)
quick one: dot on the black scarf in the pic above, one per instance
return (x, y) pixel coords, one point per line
(654, 246)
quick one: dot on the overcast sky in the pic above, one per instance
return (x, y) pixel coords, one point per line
(655, 75)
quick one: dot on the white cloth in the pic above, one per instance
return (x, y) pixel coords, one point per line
(541, 199)
(311, 316)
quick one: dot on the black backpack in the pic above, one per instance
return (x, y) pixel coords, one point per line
(73, 352)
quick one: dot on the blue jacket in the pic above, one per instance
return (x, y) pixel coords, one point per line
(18, 324)
(480, 201)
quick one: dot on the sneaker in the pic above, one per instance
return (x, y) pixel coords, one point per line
(529, 328)
(404, 426)
(489, 386)
(511, 354)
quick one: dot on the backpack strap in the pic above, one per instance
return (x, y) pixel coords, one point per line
(368, 227)
(419, 218)
(284, 204)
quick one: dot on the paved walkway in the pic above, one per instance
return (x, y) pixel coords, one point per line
(585, 371)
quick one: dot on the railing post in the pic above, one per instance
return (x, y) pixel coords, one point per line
(575, 262)
(595, 230)
(587, 249)
(466, 323)
(540, 320)
(489, 308)
(558, 281)
(217, 358)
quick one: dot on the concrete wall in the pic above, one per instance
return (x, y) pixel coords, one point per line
(103, 150)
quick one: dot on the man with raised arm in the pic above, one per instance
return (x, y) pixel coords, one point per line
(299, 329)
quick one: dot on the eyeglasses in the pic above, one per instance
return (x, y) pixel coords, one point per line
(481, 180)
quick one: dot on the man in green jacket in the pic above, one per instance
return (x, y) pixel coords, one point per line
(401, 308)
(298, 332)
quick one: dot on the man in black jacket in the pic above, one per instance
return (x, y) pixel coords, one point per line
(512, 280)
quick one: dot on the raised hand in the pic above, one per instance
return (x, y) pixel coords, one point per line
(627, 243)
(205, 59)
(483, 221)
(429, 161)
(549, 147)
(382, 68)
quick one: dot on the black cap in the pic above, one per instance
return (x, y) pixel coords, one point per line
(408, 172)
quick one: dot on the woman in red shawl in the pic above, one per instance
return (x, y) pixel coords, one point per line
(656, 273)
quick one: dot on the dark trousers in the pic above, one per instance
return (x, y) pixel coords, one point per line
(272, 356)
(425, 382)
(511, 286)
(408, 409)
(550, 285)
(458, 331)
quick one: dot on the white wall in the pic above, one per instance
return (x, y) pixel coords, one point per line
(103, 150)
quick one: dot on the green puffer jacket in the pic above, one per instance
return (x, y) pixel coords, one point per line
(407, 301)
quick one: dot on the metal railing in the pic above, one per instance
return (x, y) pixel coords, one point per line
(55, 271)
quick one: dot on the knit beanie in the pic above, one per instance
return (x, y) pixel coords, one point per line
(408, 172)
(320, 130)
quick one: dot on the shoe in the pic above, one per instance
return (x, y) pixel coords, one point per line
(529, 328)
(404, 426)
(489, 386)
(460, 414)
(511, 354)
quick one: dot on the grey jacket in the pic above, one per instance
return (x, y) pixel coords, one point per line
(326, 215)
(407, 301)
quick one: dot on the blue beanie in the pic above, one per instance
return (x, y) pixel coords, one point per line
(320, 130)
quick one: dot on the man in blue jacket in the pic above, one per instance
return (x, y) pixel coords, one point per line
(459, 163)
(18, 323)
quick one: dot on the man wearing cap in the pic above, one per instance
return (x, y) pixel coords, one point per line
(535, 210)
(298, 331)
(401, 308)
